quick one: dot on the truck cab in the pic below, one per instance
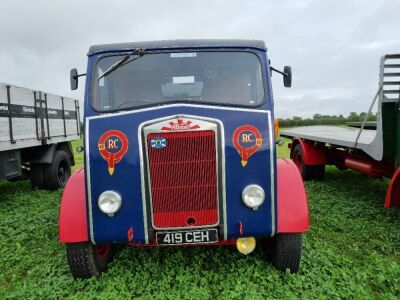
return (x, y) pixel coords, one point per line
(180, 149)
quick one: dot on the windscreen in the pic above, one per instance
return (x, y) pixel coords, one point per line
(229, 78)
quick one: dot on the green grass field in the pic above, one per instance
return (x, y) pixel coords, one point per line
(351, 252)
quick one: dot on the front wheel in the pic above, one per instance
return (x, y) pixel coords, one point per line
(86, 260)
(284, 251)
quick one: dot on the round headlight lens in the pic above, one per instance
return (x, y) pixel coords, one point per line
(253, 196)
(109, 202)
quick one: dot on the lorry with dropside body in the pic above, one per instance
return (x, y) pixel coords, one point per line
(36, 129)
(180, 149)
(374, 152)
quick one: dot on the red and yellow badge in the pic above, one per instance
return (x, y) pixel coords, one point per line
(112, 146)
(247, 140)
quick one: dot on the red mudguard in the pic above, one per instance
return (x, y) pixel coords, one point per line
(393, 192)
(312, 155)
(72, 223)
(292, 200)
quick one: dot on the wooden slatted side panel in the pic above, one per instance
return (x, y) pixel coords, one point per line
(23, 116)
(62, 113)
(54, 110)
(70, 116)
(4, 126)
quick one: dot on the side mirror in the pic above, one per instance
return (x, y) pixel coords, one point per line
(73, 77)
(287, 77)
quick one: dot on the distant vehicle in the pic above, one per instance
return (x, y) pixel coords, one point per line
(374, 151)
(180, 150)
(35, 133)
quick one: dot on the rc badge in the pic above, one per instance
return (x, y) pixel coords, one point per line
(112, 146)
(247, 140)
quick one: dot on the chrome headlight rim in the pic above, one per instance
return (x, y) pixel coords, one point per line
(109, 207)
(245, 195)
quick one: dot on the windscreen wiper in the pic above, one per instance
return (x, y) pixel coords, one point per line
(125, 60)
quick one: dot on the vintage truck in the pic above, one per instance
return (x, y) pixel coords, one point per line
(180, 149)
(36, 130)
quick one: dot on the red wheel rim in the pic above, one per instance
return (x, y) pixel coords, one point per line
(102, 251)
(298, 161)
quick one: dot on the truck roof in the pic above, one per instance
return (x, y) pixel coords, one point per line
(179, 44)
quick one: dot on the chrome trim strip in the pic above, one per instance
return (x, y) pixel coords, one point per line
(142, 183)
(271, 148)
(89, 185)
(223, 179)
(108, 115)
(216, 174)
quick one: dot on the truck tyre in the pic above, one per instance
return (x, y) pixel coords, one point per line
(36, 176)
(284, 251)
(307, 172)
(86, 260)
(57, 173)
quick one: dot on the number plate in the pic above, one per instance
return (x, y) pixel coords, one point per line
(187, 237)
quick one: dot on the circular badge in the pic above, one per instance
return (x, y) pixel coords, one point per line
(112, 147)
(247, 140)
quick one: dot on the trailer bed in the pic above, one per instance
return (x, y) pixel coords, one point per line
(337, 136)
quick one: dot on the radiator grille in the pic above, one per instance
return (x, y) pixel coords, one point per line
(184, 179)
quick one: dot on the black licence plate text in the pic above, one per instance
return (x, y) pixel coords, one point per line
(187, 237)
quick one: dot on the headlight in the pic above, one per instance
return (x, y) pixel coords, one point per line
(253, 196)
(109, 202)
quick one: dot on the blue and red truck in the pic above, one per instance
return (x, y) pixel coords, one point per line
(180, 149)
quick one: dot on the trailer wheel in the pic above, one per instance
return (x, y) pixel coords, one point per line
(284, 251)
(86, 260)
(307, 172)
(57, 173)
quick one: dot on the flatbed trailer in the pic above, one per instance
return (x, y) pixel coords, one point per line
(36, 129)
(375, 152)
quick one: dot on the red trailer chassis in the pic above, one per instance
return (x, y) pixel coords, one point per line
(314, 155)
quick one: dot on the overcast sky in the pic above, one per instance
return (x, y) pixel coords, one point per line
(333, 47)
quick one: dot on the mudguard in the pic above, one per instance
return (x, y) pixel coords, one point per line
(312, 155)
(393, 191)
(72, 223)
(293, 213)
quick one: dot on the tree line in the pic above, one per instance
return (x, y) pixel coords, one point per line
(319, 119)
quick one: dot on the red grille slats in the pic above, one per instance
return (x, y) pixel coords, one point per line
(184, 174)
(184, 179)
(178, 199)
(185, 148)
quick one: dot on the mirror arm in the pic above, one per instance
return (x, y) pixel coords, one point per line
(277, 71)
(79, 75)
